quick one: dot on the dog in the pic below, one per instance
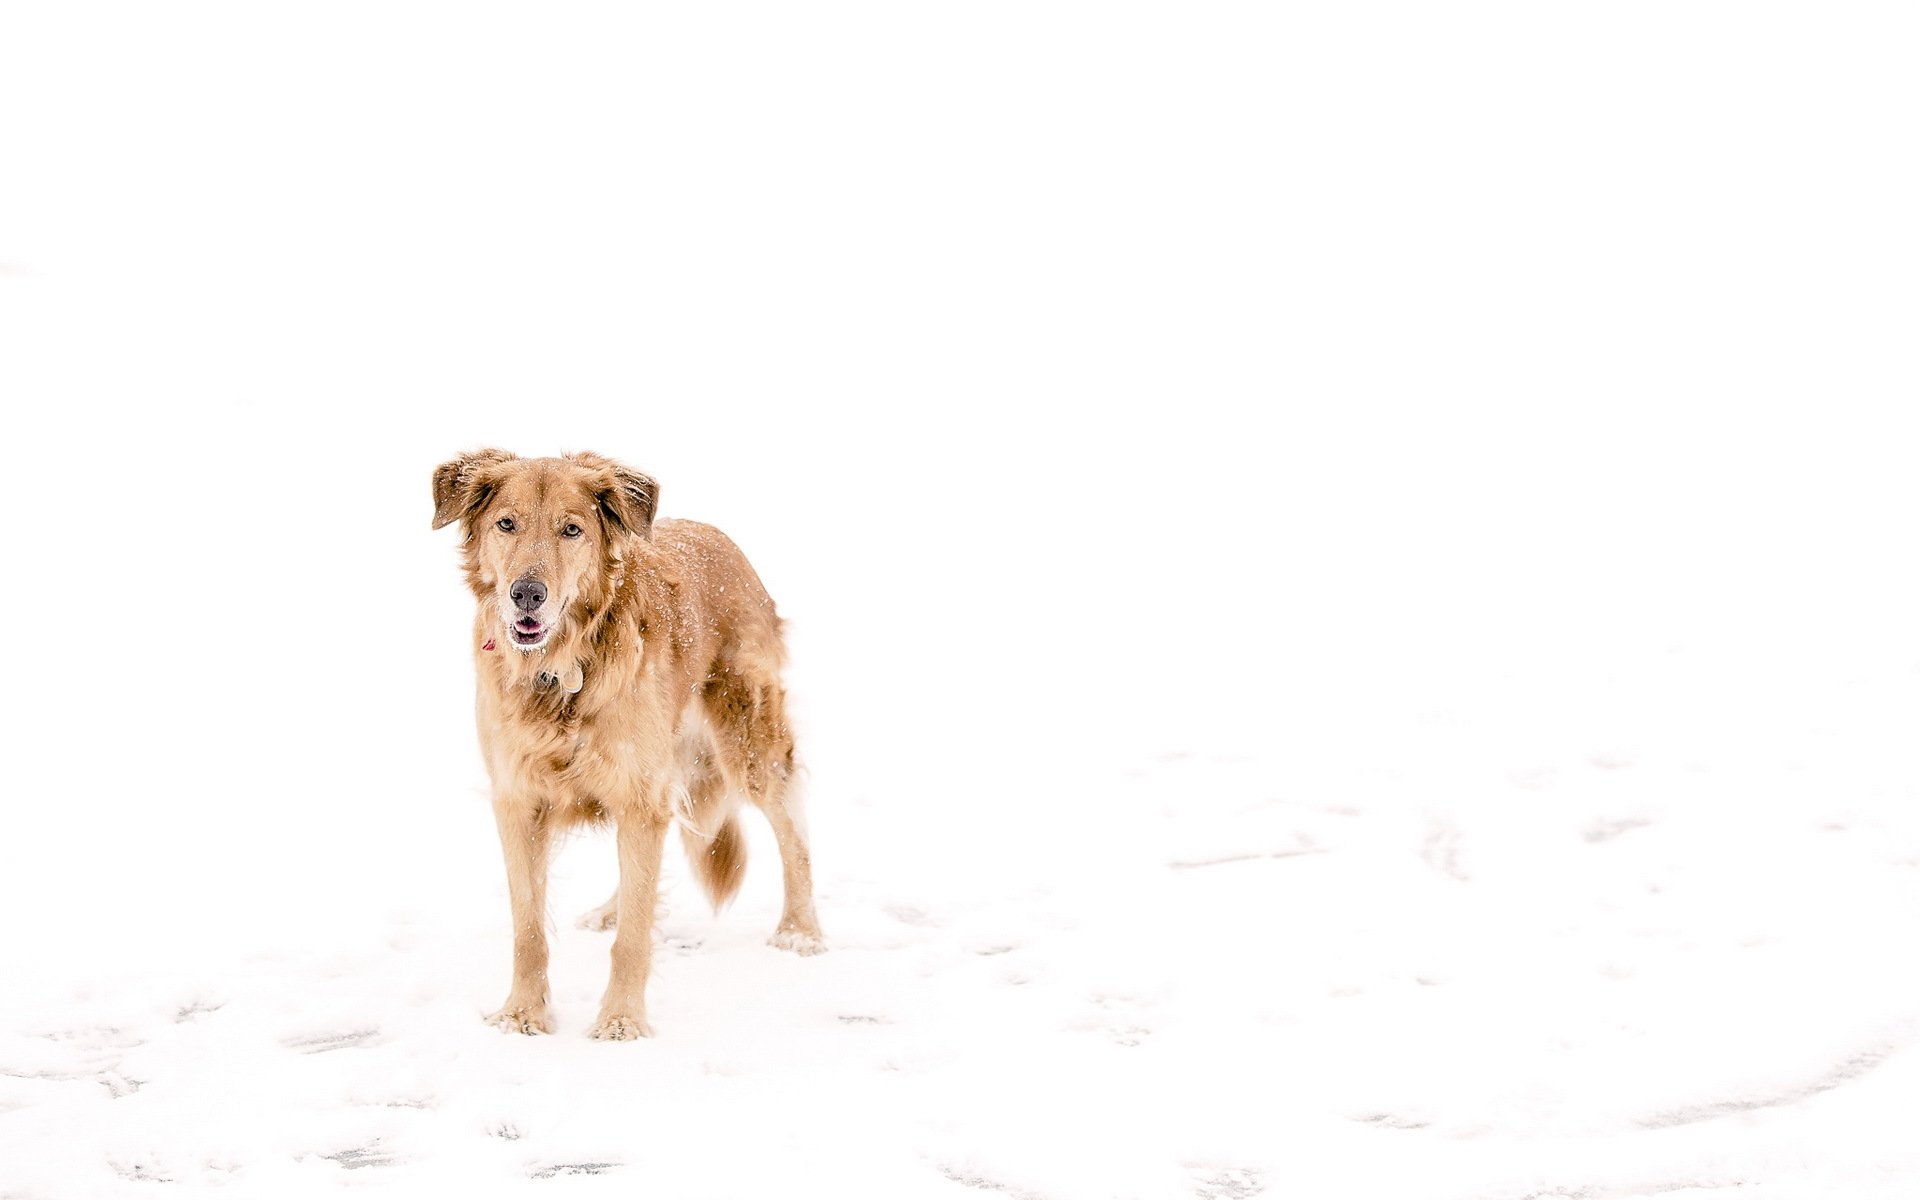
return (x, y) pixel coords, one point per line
(628, 673)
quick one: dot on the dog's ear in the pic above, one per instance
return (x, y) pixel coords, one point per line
(461, 486)
(631, 501)
(627, 498)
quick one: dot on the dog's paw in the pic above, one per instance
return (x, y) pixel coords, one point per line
(599, 919)
(800, 941)
(522, 1018)
(620, 1028)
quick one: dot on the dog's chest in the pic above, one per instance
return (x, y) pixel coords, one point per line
(565, 752)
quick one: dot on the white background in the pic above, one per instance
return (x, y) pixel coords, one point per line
(1462, 449)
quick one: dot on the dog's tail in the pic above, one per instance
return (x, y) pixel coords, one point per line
(719, 861)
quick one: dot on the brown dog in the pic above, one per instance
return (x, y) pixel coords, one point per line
(629, 672)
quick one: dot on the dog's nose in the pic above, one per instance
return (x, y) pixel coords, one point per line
(528, 594)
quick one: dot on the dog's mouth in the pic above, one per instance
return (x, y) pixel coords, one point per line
(529, 633)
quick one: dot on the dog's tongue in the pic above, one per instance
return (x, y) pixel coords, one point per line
(528, 624)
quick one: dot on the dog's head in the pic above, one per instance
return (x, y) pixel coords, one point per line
(541, 534)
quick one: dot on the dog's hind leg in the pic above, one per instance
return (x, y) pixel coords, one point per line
(602, 918)
(799, 928)
(755, 749)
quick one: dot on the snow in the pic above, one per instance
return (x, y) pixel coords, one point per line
(1350, 573)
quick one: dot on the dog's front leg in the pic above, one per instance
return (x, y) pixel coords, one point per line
(623, 1012)
(524, 837)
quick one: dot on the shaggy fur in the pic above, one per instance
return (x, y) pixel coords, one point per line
(628, 672)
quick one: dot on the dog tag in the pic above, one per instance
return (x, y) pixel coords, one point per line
(573, 680)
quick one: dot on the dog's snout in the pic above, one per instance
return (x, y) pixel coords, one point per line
(528, 594)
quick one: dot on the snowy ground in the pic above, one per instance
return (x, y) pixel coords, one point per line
(1350, 568)
(1451, 958)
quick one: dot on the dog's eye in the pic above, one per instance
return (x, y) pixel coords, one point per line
(571, 530)
(505, 524)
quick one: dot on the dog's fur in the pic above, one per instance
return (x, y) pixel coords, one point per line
(634, 679)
